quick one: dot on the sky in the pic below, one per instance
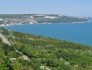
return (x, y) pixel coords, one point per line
(81, 8)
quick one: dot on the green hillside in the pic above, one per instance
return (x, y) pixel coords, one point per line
(30, 52)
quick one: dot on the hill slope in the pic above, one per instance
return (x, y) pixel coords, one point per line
(30, 52)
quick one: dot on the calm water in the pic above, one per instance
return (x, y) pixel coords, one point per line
(79, 33)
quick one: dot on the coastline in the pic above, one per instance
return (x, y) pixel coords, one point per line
(13, 24)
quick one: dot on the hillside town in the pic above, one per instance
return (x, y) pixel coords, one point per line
(16, 19)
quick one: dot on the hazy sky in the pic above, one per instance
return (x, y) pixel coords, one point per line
(65, 7)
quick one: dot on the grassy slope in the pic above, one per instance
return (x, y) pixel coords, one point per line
(42, 51)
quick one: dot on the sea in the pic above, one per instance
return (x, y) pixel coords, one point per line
(73, 32)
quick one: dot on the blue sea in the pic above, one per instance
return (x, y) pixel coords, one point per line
(77, 32)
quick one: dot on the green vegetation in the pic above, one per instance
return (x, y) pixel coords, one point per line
(30, 52)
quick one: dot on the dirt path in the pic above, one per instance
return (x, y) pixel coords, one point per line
(4, 39)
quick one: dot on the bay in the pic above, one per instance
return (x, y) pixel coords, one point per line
(72, 32)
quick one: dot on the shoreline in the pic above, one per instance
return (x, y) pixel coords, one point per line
(5, 25)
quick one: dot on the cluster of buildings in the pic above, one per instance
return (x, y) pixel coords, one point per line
(24, 20)
(15, 19)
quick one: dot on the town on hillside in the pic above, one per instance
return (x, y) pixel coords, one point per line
(14, 19)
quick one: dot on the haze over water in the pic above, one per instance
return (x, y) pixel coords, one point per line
(78, 33)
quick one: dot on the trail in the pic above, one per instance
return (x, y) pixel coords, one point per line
(4, 39)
